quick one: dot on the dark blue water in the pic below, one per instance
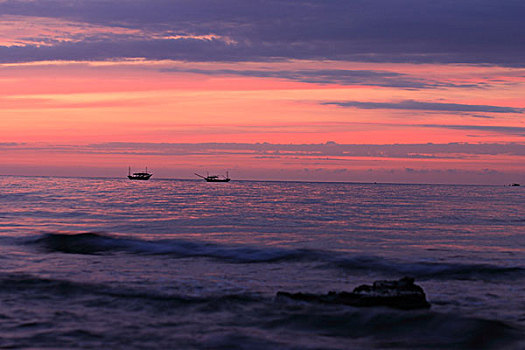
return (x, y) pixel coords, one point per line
(110, 263)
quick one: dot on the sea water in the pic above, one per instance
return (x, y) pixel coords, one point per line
(180, 264)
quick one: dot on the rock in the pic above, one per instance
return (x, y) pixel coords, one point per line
(401, 294)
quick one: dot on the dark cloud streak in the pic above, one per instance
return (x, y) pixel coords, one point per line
(512, 130)
(335, 76)
(426, 106)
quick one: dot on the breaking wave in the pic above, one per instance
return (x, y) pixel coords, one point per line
(97, 243)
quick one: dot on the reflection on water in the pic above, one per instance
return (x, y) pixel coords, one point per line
(126, 264)
(336, 216)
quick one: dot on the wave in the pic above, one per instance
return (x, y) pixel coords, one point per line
(428, 270)
(413, 329)
(25, 285)
(98, 243)
(249, 318)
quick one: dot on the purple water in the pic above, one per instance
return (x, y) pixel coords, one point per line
(111, 263)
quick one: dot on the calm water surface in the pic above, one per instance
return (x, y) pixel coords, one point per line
(111, 263)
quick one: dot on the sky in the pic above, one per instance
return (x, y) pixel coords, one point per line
(403, 91)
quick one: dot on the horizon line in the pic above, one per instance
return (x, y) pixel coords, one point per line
(254, 180)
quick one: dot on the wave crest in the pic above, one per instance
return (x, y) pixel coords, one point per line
(98, 243)
(428, 270)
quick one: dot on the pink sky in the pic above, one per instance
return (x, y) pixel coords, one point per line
(63, 117)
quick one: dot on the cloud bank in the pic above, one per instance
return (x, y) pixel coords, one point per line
(469, 163)
(441, 31)
(328, 149)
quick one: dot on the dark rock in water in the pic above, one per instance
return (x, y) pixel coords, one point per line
(401, 294)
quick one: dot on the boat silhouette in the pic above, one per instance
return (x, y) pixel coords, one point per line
(139, 176)
(215, 178)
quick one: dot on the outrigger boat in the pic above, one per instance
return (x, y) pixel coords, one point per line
(139, 176)
(215, 178)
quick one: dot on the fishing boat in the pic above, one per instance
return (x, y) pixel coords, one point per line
(215, 178)
(139, 176)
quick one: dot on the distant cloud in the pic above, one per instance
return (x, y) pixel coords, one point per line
(467, 31)
(427, 106)
(330, 161)
(49, 32)
(513, 130)
(335, 76)
(269, 150)
(454, 171)
(481, 116)
(9, 144)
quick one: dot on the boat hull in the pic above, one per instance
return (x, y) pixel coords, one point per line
(215, 178)
(143, 178)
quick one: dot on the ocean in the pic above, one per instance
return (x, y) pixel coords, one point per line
(91, 263)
